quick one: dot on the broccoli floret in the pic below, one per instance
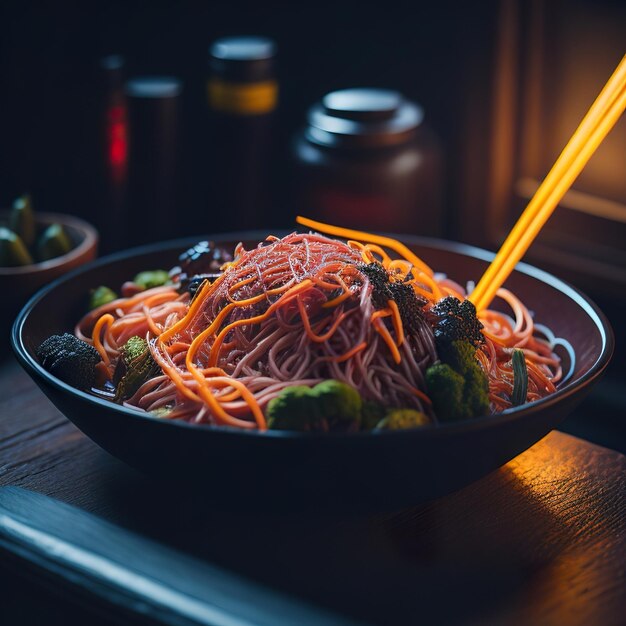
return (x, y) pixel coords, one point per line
(337, 402)
(459, 355)
(152, 278)
(70, 359)
(454, 320)
(458, 386)
(399, 419)
(329, 405)
(384, 288)
(445, 388)
(134, 368)
(292, 409)
(100, 296)
(477, 391)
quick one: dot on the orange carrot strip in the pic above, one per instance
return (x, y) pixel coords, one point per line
(242, 283)
(288, 295)
(193, 308)
(347, 355)
(341, 297)
(420, 394)
(107, 319)
(323, 283)
(309, 331)
(348, 233)
(397, 322)
(384, 333)
(338, 300)
(175, 376)
(374, 249)
(380, 313)
(154, 329)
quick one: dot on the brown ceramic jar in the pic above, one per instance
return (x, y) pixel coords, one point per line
(366, 159)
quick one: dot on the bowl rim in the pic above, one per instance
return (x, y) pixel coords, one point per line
(89, 240)
(31, 365)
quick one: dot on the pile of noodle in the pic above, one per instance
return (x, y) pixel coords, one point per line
(296, 311)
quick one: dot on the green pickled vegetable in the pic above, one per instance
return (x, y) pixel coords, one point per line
(520, 378)
(152, 278)
(100, 296)
(54, 242)
(13, 252)
(22, 219)
(137, 366)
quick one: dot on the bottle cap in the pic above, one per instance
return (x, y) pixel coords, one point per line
(243, 59)
(363, 118)
(154, 87)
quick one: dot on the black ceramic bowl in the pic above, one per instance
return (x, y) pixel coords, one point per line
(372, 471)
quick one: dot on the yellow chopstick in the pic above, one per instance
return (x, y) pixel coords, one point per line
(551, 202)
(601, 117)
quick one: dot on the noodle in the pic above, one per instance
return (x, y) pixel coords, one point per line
(297, 311)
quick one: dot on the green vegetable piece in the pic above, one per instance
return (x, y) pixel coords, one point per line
(292, 409)
(520, 378)
(100, 296)
(162, 411)
(133, 349)
(13, 252)
(329, 405)
(152, 278)
(459, 355)
(476, 392)
(137, 367)
(337, 402)
(22, 219)
(451, 399)
(445, 388)
(54, 242)
(400, 419)
(371, 414)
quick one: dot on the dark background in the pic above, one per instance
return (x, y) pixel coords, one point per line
(49, 71)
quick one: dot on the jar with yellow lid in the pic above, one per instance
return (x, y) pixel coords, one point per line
(242, 94)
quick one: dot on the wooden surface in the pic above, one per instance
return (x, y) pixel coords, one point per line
(541, 541)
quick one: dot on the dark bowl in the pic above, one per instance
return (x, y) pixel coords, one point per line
(17, 284)
(365, 471)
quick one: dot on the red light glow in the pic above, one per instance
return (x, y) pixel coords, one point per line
(117, 140)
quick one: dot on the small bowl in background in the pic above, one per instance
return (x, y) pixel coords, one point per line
(17, 284)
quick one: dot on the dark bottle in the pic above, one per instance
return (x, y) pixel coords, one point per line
(109, 201)
(242, 97)
(153, 210)
(367, 160)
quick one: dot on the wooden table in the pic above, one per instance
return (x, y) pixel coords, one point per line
(541, 541)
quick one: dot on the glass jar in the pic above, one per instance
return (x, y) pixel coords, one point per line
(367, 160)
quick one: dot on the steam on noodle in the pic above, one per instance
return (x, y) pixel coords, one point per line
(297, 311)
